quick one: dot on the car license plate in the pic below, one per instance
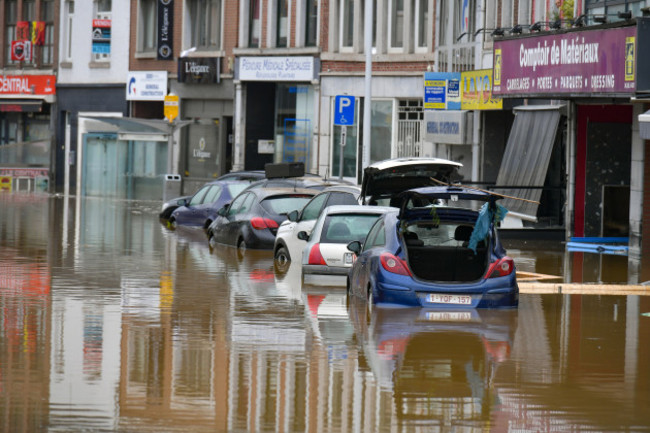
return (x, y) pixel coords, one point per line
(348, 258)
(455, 316)
(436, 298)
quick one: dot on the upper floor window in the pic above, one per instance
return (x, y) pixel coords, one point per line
(147, 22)
(254, 24)
(396, 23)
(346, 23)
(311, 23)
(68, 21)
(282, 23)
(204, 22)
(29, 38)
(422, 24)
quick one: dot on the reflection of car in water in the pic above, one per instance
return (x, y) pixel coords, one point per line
(438, 363)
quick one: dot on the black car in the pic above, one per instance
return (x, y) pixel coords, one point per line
(171, 205)
(253, 217)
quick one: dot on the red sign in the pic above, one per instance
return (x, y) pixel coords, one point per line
(21, 51)
(27, 84)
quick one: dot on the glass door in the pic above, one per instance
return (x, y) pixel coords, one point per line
(104, 166)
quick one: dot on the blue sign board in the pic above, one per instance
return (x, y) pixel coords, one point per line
(442, 91)
(344, 110)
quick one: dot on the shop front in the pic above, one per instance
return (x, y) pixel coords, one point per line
(26, 103)
(206, 116)
(276, 100)
(588, 75)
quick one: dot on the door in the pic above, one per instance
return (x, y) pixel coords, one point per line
(104, 171)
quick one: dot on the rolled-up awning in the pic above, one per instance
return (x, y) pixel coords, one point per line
(527, 156)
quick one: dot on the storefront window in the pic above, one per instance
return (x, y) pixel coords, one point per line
(381, 130)
(293, 123)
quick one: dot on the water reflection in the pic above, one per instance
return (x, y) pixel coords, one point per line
(113, 322)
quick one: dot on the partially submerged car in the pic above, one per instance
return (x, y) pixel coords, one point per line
(326, 250)
(288, 246)
(201, 208)
(252, 219)
(431, 255)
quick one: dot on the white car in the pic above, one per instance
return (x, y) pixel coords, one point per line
(326, 250)
(287, 245)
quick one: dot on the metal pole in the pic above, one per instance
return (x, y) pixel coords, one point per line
(367, 39)
(342, 148)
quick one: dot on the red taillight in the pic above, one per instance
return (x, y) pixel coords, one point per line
(315, 257)
(260, 223)
(394, 264)
(501, 268)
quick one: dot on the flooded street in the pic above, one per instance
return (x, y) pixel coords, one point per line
(113, 322)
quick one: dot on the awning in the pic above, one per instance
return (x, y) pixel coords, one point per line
(133, 129)
(527, 156)
(644, 125)
(21, 105)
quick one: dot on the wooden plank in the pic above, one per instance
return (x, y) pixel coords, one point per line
(584, 288)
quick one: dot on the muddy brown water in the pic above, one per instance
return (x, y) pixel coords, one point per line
(112, 322)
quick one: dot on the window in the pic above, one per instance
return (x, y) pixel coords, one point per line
(254, 24)
(205, 24)
(347, 24)
(237, 204)
(311, 21)
(102, 49)
(312, 209)
(147, 22)
(396, 23)
(376, 236)
(198, 197)
(11, 11)
(282, 23)
(47, 16)
(421, 23)
(68, 23)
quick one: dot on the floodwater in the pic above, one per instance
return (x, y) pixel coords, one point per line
(112, 322)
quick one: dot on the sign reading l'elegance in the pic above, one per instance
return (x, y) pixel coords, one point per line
(302, 68)
(199, 70)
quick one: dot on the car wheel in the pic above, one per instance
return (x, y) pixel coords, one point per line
(241, 248)
(369, 302)
(206, 225)
(172, 223)
(282, 260)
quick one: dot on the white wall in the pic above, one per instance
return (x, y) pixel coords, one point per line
(81, 69)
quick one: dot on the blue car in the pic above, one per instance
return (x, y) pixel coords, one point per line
(436, 251)
(201, 209)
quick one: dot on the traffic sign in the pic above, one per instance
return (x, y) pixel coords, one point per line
(344, 110)
(170, 109)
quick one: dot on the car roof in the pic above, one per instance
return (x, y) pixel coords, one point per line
(350, 208)
(263, 193)
(352, 189)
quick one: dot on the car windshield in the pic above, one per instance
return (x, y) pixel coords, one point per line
(283, 204)
(235, 188)
(344, 228)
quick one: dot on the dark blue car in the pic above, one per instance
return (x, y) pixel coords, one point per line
(201, 208)
(436, 251)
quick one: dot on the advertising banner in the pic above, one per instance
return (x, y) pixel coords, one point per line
(165, 33)
(441, 91)
(199, 70)
(590, 62)
(27, 84)
(298, 68)
(146, 86)
(476, 91)
(101, 36)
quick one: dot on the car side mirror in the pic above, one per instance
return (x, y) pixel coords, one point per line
(182, 202)
(293, 216)
(303, 236)
(223, 210)
(355, 247)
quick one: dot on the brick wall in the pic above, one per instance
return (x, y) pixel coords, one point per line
(230, 35)
(151, 64)
(344, 66)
